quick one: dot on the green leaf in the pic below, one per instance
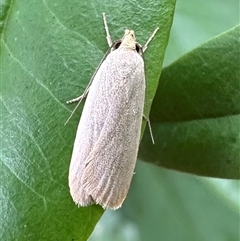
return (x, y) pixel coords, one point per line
(196, 207)
(49, 50)
(193, 206)
(196, 112)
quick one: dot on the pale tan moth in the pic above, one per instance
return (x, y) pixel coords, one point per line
(108, 135)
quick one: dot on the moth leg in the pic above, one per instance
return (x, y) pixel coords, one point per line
(79, 98)
(108, 37)
(150, 128)
(149, 40)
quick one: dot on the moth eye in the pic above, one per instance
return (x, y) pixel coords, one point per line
(117, 45)
(138, 48)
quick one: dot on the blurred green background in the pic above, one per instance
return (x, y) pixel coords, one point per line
(180, 206)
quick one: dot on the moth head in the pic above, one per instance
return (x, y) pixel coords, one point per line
(128, 41)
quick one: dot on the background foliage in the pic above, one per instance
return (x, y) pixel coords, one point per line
(49, 50)
(168, 205)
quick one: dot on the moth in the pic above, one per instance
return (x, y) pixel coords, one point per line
(108, 135)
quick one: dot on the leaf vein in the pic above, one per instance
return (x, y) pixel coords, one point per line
(36, 79)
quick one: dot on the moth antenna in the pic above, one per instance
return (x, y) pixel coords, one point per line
(108, 37)
(86, 90)
(149, 40)
(73, 111)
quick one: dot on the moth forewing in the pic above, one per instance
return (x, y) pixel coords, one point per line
(109, 131)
